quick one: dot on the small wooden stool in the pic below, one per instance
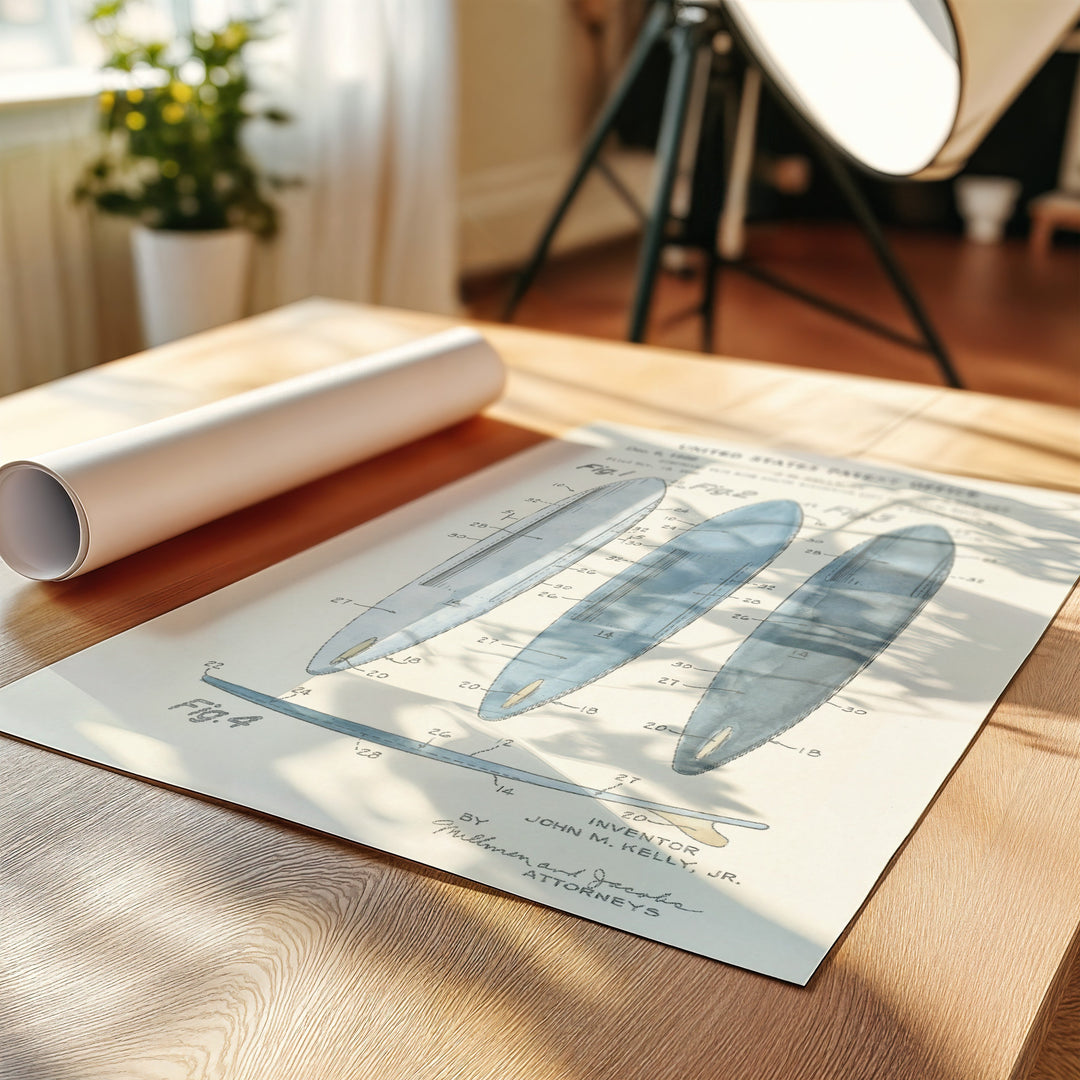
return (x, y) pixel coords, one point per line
(1049, 212)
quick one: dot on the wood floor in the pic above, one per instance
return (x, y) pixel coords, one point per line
(1010, 320)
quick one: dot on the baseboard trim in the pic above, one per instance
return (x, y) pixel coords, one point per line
(503, 209)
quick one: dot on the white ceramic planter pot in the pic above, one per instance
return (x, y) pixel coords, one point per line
(189, 281)
(986, 203)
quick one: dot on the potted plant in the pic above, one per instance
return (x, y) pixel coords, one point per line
(172, 158)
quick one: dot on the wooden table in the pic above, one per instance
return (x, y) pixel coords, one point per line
(146, 933)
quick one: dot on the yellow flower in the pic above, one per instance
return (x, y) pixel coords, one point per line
(135, 121)
(180, 91)
(135, 96)
(106, 100)
(233, 36)
(172, 113)
(170, 168)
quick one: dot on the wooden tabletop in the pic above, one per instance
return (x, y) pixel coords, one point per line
(151, 934)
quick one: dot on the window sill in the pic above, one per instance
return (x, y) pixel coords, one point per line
(47, 87)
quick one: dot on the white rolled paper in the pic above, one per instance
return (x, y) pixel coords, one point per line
(69, 511)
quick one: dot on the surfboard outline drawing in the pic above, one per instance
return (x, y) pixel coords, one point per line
(818, 639)
(500, 566)
(643, 605)
(697, 823)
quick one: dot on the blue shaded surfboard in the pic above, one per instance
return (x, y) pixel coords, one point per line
(643, 605)
(816, 640)
(502, 565)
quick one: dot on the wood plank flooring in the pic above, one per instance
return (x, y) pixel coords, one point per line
(1010, 319)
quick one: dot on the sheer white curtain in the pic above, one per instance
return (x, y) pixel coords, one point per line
(34, 219)
(373, 142)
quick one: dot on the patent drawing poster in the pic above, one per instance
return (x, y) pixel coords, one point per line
(698, 692)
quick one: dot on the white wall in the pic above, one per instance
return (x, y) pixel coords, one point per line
(527, 91)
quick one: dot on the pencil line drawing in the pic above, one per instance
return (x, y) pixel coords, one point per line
(491, 571)
(697, 823)
(814, 643)
(643, 605)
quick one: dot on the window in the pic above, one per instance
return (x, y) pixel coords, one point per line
(47, 51)
(36, 34)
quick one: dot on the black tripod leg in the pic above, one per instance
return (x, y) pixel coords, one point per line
(685, 40)
(709, 288)
(882, 249)
(716, 199)
(653, 29)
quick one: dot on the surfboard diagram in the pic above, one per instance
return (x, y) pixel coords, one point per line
(815, 641)
(643, 605)
(609, 740)
(697, 823)
(491, 571)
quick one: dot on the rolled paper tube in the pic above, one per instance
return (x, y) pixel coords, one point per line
(69, 511)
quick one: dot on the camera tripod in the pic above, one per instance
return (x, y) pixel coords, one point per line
(690, 27)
